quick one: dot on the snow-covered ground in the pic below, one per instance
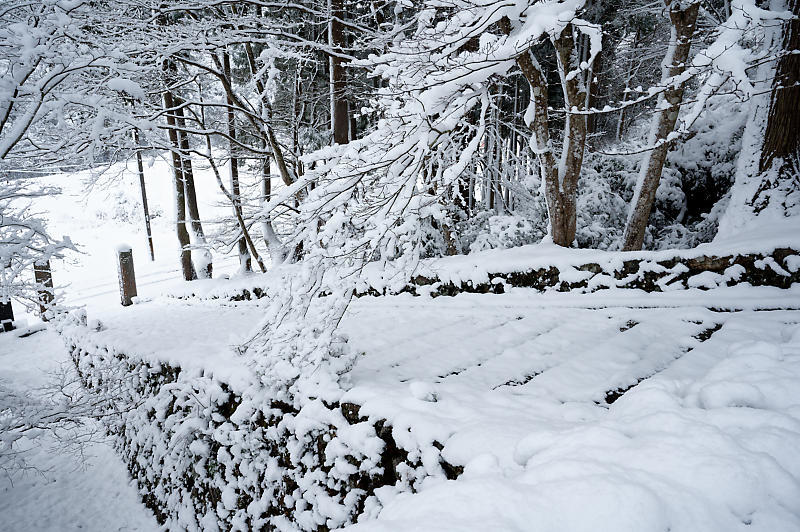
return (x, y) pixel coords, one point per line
(93, 492)
(64, 491)
(99, 211)
(704, 437)
(706, 442)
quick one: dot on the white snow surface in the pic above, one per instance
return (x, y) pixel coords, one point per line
(706, 443)
(93, 493)
(511, 385)
(478, 267)
(66, 491)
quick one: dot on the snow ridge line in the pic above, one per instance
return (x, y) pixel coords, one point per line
(703, 336)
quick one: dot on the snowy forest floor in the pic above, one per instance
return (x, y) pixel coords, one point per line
(616, 410)
(528, 399)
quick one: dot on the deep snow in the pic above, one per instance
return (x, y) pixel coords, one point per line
(516, 391)
(92, 493)
(513, 385)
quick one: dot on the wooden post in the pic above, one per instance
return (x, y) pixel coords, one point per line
(127, 278)
(44, 287)
(6, 317)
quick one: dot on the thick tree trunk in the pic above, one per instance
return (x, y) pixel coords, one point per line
(569, 169)
(180, 196)
(203, 266)
(245, 261)
(560, 179)
(782, 136)
(683, 26)
(340, 121)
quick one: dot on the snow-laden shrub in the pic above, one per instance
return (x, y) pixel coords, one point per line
(432, 238)
(694, 188)
(125, 206)
(504, 232)
(706, 162)
(604, 193)
(780, 189)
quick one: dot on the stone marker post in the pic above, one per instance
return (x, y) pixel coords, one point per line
(6, 317)
(44, 281)
(127, 278)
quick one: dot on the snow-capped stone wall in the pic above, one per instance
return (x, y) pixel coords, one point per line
(206, 457)
(657, 272)
(551, 268)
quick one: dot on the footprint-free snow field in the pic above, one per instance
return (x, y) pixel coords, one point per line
(570, 417)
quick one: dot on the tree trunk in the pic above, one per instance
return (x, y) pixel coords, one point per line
(180, 196)
(245, 261)
(782, 136)
(266, 116)
(145, 207)
(340, 121)
(274, 245)
(683, 26)
(560, 180)
(204, 266)
(592, 83)
(170, 73)
(622, 124)
(489, 170)
(538, 121)
(569, 169)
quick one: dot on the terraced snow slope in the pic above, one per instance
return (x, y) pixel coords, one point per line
(555, 417)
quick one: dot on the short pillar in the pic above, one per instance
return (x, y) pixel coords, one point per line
(127, 278)
(44, 287)
(6, 317)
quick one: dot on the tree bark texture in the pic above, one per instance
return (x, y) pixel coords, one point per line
(145, 207)
(180, 196)
(782, 136)
(569, 169)
(191, 194)
(560, 179)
